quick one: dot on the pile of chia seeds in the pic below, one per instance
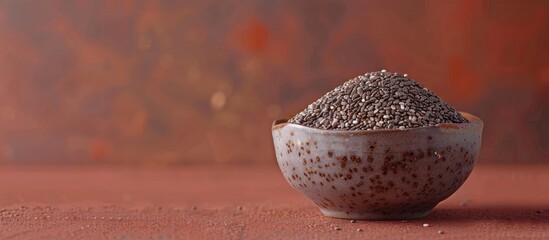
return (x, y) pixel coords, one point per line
(378, 100)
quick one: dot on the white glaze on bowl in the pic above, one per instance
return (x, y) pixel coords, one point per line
(378, 174)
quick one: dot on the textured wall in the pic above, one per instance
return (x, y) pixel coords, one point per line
(201, 81)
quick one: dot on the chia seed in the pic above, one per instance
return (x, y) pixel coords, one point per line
(378, 100)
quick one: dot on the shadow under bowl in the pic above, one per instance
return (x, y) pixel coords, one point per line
(377, 174)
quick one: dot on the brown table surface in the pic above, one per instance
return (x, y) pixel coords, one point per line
(248, 202)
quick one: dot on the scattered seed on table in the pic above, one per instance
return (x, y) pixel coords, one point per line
(359, 229)
(425, 225)
(465, 203)
(337, 228)
(378, 100)
(440, 232)
(353, 221)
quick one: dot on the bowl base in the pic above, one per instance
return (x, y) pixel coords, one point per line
(375, 216)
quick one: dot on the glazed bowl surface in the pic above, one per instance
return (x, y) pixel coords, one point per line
(377, 174)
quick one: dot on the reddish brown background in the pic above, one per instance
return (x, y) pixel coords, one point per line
(201, 81)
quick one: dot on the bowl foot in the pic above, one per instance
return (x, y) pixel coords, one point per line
(375, 216)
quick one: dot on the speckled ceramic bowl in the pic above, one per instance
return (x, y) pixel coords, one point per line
(378, 174)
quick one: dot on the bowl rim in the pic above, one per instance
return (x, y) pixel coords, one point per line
(474, 121)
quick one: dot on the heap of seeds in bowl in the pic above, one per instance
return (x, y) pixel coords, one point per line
(378, 100)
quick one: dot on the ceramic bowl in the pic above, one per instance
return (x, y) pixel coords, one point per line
(377, 174)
